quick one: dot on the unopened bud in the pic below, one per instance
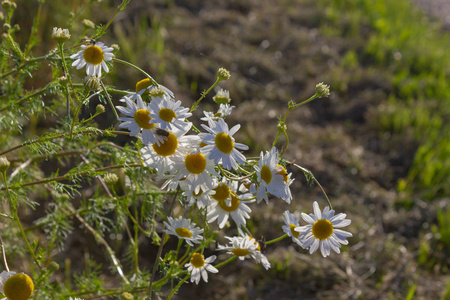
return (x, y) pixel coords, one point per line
(99, 109)
(115, 48)
(60, 35)
(6, 27)
(63, 80)
(53, 266)
(127, 296)
(4, 163)
(322, 90)
(223, 74)
(222, 97)
(110, 178)
(92, 83)
(88, 24)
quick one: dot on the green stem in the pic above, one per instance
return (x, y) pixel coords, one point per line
(316, 181)
(17, 219)
(75, 115)
(185, 254)
(174, 290)
(277, 239)
(195, 105)
(234, 257)
(137, 68)
(110, 100)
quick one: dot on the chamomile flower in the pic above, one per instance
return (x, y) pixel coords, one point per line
(197, 169)
(225, 203)
(224, 110)
(323, 231)
(202, 197)
(161, 156)
(242, 247)
(146, 85)
(183, 229)
(138, 120)
(271, 177)
(291, 221)
(198, 266)
(221, 145)
(16, 286)
(94, 57)
(169, 113)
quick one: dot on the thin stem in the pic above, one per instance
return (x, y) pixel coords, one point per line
(5, 262)
(109, 100)
(226, 262)
(75, 114)
(17, 219)
(277, 239)
(195, 105)
(174, 290)
(153, 81)
(306, 171)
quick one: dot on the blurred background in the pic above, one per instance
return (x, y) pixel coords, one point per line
(379, 145)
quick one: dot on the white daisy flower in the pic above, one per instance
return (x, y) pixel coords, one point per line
(202, 197)
(197, 169)
(145, 85)
(16, 285)
(242, 247)
(291, 221)
(224, 110)
(271, 177)
(183, 229)
(94, 57)
(322, 231)
(257, 255)
(225, 202)
(198, 265)
(161, 157)
(138, 121)
(169, 113)
(220, 143)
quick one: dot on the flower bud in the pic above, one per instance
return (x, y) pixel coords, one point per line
(99, 109)
(223, 74)
(110, 179)
(222, 97)
(322, 90)
(53, 266)
(60, 35)
(88, 24)
(127, 296)
(92, 83)
(4, 163)
(115, 48)
(6, 27)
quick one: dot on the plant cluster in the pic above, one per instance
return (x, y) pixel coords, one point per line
(206, 177)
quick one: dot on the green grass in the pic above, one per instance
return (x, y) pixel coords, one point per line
(414, 54)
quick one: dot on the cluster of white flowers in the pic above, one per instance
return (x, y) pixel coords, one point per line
(201, 165)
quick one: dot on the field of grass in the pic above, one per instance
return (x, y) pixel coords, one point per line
(379, 145)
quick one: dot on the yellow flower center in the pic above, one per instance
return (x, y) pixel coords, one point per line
(18, 287)
(197, 260)
(93, 55)
(142, 119)
(202, 144)
(256, 243)
(266, 174)
(200, 192)
(168, 147)
(224, 142)
(166, 114)
(322, 229)
(283, 173)
(195, 163)
(294, 233)
(240, 252)
(222, 192)
(234, 204)
(183, 232)
(143, 84)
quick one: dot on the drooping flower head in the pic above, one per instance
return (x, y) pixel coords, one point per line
(291, 221)
(146, 86)
(221, 145)
(272, 177)
(94, 57)
(198, 266)
(323, 231)
(242, 247)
